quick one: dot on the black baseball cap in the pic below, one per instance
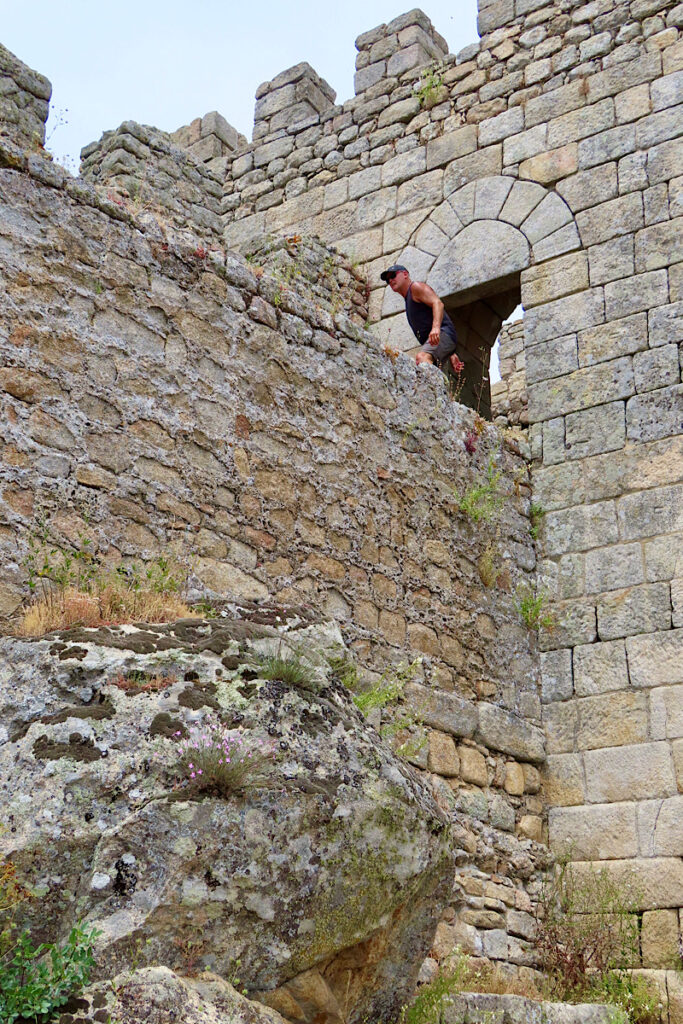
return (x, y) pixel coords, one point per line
(392, 270)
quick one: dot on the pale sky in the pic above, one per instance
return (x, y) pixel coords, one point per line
(165, 62)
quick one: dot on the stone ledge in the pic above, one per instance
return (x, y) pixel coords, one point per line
(473, 1007)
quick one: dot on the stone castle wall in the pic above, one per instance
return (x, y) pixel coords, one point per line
(147, 171)
(541, 165)
(509, 397)
(158, 399)
(24, 102)
(544, 165)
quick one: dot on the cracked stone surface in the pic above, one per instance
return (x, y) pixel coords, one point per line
(326, 884)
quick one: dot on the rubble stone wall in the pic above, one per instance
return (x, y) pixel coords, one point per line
(24, 102)
(148, 171)
(155, 399)
(509, 398)
(542, 164)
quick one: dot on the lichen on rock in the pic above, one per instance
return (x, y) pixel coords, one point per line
(325, 884)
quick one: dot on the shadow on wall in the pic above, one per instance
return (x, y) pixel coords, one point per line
(478, 323)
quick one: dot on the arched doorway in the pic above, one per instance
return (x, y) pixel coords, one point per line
(473, 249)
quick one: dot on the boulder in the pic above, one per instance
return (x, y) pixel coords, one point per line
(158, 995)
(320, 885)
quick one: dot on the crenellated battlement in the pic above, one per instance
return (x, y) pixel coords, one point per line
(24, 101)
(292, 101)
(417, 108)
(407, 42)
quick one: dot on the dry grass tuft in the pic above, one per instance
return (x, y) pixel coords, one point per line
(137, 682)
(110, 605)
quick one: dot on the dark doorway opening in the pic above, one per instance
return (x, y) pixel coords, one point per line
(478, 315)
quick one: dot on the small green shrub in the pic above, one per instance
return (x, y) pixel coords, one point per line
(36, 980)
(428, 1004)
(483, 501)
(533, 609)
(536, 513)
(219, 760)
(286, 669)
(388, 689)
(587, 939)
(634, 1001)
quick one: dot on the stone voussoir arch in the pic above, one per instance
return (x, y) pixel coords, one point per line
(486, 230)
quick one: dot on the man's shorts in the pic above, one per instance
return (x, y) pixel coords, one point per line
(443, 350)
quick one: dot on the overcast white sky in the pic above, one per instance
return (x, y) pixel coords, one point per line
(165, 62)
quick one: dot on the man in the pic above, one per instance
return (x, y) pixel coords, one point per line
(428, 319)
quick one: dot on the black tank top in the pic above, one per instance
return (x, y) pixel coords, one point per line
(420, 317)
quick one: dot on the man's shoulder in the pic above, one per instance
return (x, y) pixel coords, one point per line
(420, 288)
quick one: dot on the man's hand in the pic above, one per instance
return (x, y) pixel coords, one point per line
(434, 336)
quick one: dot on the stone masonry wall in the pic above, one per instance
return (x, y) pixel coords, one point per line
(541, 164)
(24, 102)
(509, 398)
(149, 172)
(154, 399)
(375, 167)
(211, 139)
(548, 158)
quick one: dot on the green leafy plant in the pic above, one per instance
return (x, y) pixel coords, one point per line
(36, 980)
(234, 972)
(429, 89)
(536, 513)
(205, 608)
(533, 608)
(431, 999)
(483, 501)
(388, 692)
(378, 696)
(389, 687)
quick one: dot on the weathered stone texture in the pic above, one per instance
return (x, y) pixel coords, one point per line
(541, 165)
(185, 848)
(24, 102)
(235, 463)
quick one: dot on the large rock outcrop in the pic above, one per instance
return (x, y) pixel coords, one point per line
(321, 890)
(160, 996)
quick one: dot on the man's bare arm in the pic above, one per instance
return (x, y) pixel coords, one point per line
(425, 293)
